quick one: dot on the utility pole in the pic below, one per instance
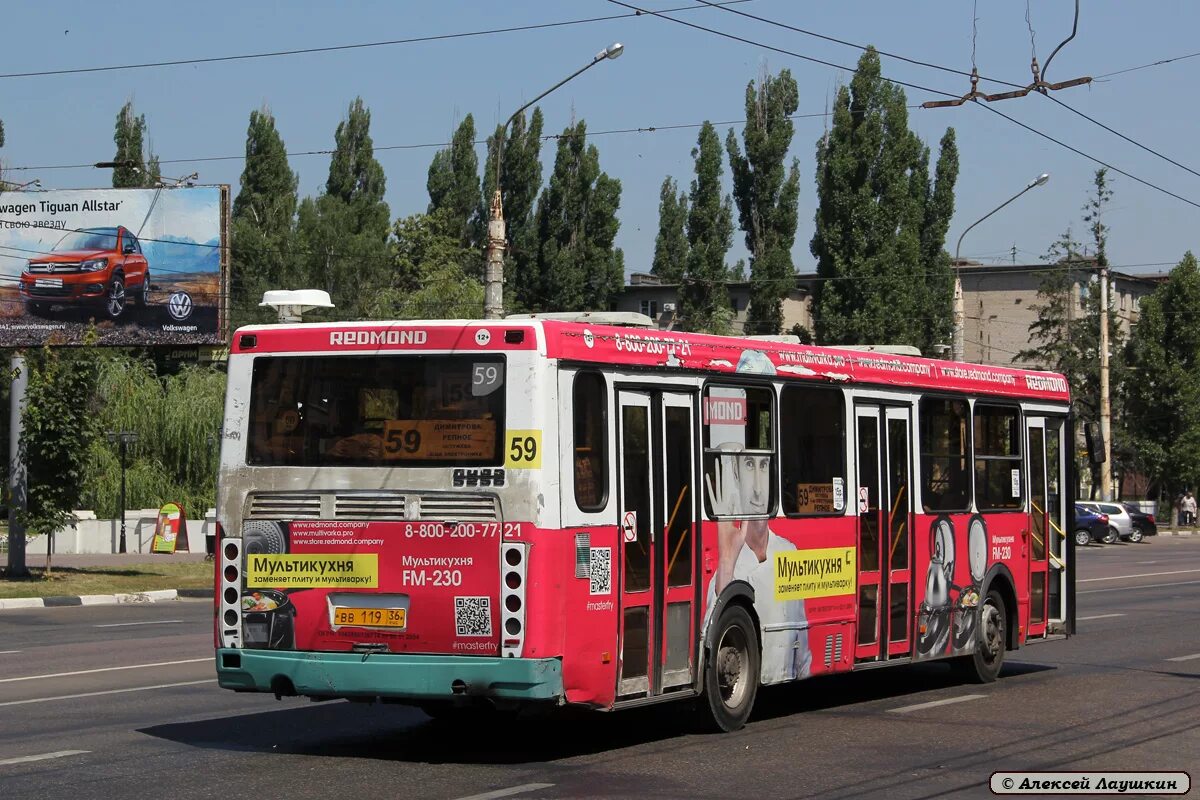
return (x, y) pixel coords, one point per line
(493, 276)
(1105, 409)
(123, 439)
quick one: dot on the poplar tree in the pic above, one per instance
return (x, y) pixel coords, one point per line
(671, 244)
(263, 221)
(135, 170)
(343, 233)
(578, 267)
(1162, 389)
(767, 195)
(453, 186)
(705, 297)
(881, 222)
(520, 182)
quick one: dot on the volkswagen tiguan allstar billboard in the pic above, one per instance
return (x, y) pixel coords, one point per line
(137, 266)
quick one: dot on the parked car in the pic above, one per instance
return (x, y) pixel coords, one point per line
(100, 266)
(1092, 527)
(1118, 517)
(1143, 524)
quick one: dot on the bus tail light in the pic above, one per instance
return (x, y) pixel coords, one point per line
(216, 584)
(513, 558)
(229, 585)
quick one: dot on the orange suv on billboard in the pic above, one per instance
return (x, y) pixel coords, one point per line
(93, 266)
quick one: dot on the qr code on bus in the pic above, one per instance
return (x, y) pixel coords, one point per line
(600, 575)
(473, 616)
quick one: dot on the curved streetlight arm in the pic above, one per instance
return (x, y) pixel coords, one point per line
(1036, 182)
(984, 217)
(601, 56)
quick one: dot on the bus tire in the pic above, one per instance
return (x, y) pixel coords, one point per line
(983, 665)
(732, 670)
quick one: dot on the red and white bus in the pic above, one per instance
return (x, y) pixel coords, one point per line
(539, 511)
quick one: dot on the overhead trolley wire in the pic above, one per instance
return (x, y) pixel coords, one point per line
(336, 48)
(930, 65)
(989, 107)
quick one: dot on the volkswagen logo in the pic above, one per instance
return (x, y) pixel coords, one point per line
(50, 267)
(179, 306)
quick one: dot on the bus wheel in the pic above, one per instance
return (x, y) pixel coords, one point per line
(732, 670)
(983, 666)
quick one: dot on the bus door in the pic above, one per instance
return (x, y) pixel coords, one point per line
(884, 503)
(1047, 523)
(658, 541)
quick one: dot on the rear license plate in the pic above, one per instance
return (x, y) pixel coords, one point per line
(370, 617)
(49, 283)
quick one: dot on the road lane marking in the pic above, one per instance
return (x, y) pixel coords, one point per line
(128, 624)
(509, 792)
(106, 669)
(1139, 575)
(9, 652)
(946, 702)
(1098, 616)
(43, 757)
(1138, 588)
(108, 691)
(1185, 658)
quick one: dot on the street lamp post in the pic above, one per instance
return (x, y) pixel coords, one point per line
(493, 290)
(957, 353)
(123, 439)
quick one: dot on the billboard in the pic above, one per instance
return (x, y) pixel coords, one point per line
(138, 266)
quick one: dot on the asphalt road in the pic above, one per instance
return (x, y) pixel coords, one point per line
(116, 702)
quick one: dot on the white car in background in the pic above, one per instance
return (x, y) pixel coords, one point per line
(1118, 518)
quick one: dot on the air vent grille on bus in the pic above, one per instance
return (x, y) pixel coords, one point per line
(458, 507)
(369, 506)
(285, 505)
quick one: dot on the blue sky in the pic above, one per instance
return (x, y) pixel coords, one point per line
(669, 75)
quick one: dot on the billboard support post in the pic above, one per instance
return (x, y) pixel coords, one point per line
(16, 475)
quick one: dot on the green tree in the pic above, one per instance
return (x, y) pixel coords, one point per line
(767, 195)
(174, 416)
(1162, 386)
(342, 235)
(881, 222)
(578, 267)
(136, 170)
(434, 277)
(453, 186)
(704, 299)
(671, 244)
(263, 221)
(58, 422)
(520, 182)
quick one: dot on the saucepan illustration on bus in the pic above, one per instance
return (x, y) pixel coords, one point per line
(529, 513)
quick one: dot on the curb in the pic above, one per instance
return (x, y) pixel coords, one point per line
(1178, 533)
(157, 596)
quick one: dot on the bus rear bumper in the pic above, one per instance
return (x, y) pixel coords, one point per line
(399, 676)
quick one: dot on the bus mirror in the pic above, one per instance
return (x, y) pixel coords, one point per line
(1095, 442)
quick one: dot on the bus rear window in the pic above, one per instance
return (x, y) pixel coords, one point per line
(376, 411)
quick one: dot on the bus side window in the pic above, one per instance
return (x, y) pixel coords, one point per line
(945, 455)
(812, 424)
(999, 478)
(590, 412)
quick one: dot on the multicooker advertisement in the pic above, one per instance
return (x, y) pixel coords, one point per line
(137, 266)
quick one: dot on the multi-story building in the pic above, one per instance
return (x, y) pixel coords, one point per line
(1000, 303)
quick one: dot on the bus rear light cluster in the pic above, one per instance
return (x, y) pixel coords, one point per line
(229, 619)
(513, 558)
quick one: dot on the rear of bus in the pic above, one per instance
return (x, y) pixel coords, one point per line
(378, 486)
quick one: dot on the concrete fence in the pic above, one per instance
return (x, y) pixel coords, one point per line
(89, 535)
